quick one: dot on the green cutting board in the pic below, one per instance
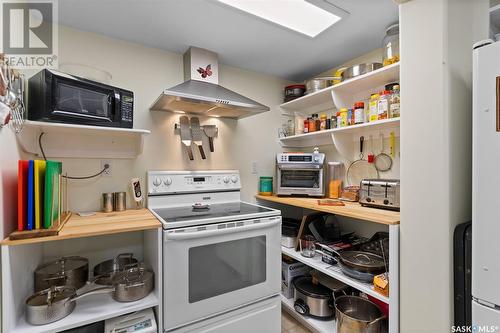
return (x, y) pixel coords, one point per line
(51, 208)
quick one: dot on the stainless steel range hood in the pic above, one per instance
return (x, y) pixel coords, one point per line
(201, 93)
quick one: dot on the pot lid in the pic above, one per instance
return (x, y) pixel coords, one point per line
(305, 285)
(362, 259)
(62, 265)
(50, 296)
(131, 276)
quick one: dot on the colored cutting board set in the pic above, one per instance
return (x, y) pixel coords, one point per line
(38, 193)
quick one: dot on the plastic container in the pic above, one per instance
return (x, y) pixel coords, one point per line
(339, 120)
(394, 103)
(350, 117)
(335, 176)
(299, 123)
(390, 45)
(359, 113)
(343, 117)
(266, 185)
(373, 107)
(383, 105)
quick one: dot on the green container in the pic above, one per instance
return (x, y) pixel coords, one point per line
(266, 186)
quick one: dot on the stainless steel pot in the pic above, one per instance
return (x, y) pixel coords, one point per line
(360, 69)
(49, 305)
(317, 84)
(311, 299)
(357, 315)
(107, 268)
(66, 271)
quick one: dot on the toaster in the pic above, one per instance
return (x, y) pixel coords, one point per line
(380, 193)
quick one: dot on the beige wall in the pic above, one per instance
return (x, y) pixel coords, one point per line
(147, 72)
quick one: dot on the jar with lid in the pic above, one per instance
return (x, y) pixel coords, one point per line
(322, 122)
(335, 176)
(312, 124)
(390, 45)
(359, 113)
(333, 122)
(373, 107)
(299, 123)
(394, 103)
(317, 122)
(383, 105)
(343, 117)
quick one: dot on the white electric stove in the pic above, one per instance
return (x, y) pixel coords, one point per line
(221, 256)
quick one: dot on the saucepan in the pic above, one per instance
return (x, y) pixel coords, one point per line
(357, 315)
(104, 270)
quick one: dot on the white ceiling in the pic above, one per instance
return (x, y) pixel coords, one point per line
(241, 40)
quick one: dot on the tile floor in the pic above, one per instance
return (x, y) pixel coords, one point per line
(290, 325)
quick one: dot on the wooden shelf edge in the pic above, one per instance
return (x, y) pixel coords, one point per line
(97, 225)
(352, 210)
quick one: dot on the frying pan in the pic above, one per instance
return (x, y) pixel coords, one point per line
(360, 168)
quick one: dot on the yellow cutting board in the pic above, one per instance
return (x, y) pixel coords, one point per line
(39, 192)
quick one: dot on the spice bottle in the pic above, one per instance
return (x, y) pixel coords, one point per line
(312, 125)
(306, 125)
(359, 112)
(383, 105)
(394, 103)
(339, 120)
(333, 122)
(317, 122)
(322, 124)
(343, 117)
(373, 107)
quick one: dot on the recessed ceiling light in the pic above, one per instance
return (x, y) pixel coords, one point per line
(297, 15)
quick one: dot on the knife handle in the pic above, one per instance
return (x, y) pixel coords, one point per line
(202, 152)
(190, 153)
(211, 143)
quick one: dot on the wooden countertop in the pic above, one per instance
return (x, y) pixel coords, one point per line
(98, 224)
(351, 209)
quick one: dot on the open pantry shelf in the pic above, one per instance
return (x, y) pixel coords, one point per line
(324, 99)
(316, 325)
(334, 272)
(321, 138)
(70, 140)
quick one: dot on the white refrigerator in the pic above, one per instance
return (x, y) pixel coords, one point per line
(486, 188)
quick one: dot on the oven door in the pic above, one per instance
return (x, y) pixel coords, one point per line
(300, 180)
(212, 269)
(81, 102)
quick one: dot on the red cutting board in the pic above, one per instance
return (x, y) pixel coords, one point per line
(22, 194)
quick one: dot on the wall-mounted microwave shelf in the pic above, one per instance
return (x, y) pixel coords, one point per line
(345, 93)
(70, 140)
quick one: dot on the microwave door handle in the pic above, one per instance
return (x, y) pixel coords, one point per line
(81, 115)
(219, 232)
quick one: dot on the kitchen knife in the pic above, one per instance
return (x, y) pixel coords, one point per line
(186, 135)
(210, 132)
(197, 135)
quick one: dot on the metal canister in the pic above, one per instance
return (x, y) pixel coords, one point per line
(107, 202)
(120, 201)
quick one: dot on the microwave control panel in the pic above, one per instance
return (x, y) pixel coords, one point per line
(127, 108)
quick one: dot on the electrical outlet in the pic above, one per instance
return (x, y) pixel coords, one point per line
(255, 167)
(108, 171)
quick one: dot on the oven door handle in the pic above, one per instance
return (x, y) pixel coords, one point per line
(219, 232)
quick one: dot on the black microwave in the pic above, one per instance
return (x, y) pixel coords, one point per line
(58, 97)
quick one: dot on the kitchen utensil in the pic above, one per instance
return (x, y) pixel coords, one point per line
(371, 155)
(210, 132)
(380, 193)
(119, 201)
(72, 271)
(357, 315)
(311, 299)
(135, 186)
(363, 261)
(317, 84)
(104, 270)
(197, 135)
(107, 202)
(360, 69)
(361, 276)
(383, 162)
(360, 168)
(50, 305)
(307, 246)
(186, 135)
(294, 91)
(392, 143)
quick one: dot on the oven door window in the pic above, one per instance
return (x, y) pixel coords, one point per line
(300, 178)
(221, 268)
(77, 101)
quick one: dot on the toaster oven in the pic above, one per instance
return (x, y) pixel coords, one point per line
(380, 193)
(300, 174)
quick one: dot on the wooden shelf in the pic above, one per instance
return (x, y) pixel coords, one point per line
(321, 138)
(89, 310)
(351, 209)
(97, 225)
(335, 272)
(322, 100)
(316, 325)
(70, 140)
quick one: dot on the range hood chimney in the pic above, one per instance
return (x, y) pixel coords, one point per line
(201, 93)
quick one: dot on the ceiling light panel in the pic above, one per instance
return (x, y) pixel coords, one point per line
(297, 15)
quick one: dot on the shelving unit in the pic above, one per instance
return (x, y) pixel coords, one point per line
(316, 325)
(98, 238)
(70, 140)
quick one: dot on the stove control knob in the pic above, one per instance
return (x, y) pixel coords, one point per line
(234, 179)
(225, 179)
(157, 182)
(167, 181)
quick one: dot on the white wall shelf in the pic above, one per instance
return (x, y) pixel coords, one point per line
(70, 140)
(327, 137)
(316, 325)
(344, 93)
